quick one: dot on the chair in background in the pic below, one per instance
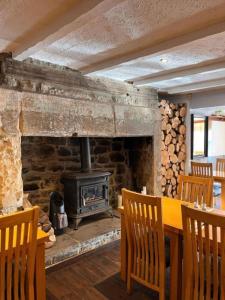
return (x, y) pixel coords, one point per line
(146, 248)
(220, 164)
(195, 189)
(18, 241)
(201, 169)
(204, 270)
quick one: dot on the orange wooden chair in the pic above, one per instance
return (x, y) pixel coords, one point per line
(195, 189)
(220, 164)
(204, 255)
(146, 248)
(201, 169)
(18, 239)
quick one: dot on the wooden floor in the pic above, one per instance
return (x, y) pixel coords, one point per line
(92, 276)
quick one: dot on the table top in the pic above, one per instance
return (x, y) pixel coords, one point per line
(172, 216)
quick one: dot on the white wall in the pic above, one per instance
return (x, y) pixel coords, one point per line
(216, 138)
(207, 99)
(211, 98)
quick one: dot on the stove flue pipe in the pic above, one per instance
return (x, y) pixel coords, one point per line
(85, 154)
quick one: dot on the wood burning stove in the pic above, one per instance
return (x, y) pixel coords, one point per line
(86, 192)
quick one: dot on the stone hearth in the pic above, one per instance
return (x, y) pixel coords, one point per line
(93, 233)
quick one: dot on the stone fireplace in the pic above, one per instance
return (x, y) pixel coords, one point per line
(44, 109)
(44, 159)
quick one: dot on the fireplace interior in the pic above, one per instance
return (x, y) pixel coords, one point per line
(111, 163)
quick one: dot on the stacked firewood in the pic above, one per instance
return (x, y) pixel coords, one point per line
(173, 147)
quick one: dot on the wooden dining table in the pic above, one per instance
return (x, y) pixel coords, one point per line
(219, 176)
(173, 228)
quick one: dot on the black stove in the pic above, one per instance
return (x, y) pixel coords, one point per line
(86, 192)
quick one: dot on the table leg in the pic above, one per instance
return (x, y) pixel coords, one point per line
(123, 250)
(175, 266)
(223, 195)
(40, 276)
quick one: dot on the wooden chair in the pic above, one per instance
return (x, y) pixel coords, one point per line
(220, 164)
(201, 169)
(146, 248)
(195, 189)
(204, 270)
(18, 238)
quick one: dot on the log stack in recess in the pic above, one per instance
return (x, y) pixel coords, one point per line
(173, 147)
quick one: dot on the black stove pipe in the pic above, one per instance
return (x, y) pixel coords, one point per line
(85, 154)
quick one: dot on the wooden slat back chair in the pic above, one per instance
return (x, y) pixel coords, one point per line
(18, 240)
(146, 249)
(195, 189)
(201, 169)
(204, 255)
(220, 165)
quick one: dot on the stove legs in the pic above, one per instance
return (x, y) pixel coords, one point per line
(110, 212)
(76, 222)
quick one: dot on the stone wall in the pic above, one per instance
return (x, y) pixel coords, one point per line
(11, 185)
(38, 99)
(44, 159)
(10, 171)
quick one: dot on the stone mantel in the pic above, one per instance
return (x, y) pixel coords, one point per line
(38, 99)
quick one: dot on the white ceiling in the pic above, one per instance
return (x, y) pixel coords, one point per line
(123, 39)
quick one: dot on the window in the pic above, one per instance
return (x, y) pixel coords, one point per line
(199, 136)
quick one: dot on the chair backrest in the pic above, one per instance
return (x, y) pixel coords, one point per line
(146, 249)
(18, 239)
(220, 165)
(195, 189)
(204, 255)
(201, 169)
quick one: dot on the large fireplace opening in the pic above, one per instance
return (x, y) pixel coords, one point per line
(45, 160)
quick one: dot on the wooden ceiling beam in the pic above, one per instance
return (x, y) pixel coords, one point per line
(196, 86)
(206, 66)
(53, 28)
(161, 41)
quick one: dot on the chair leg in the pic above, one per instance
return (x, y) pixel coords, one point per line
(129, 284)
(162, 295)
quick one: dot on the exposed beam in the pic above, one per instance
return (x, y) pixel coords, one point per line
(196, 27)
(197, 86)
(202, 67)
(53, 28)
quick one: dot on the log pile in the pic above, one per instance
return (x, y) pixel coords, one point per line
(173, 147)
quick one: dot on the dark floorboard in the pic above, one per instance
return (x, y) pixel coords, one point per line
(93, 276)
